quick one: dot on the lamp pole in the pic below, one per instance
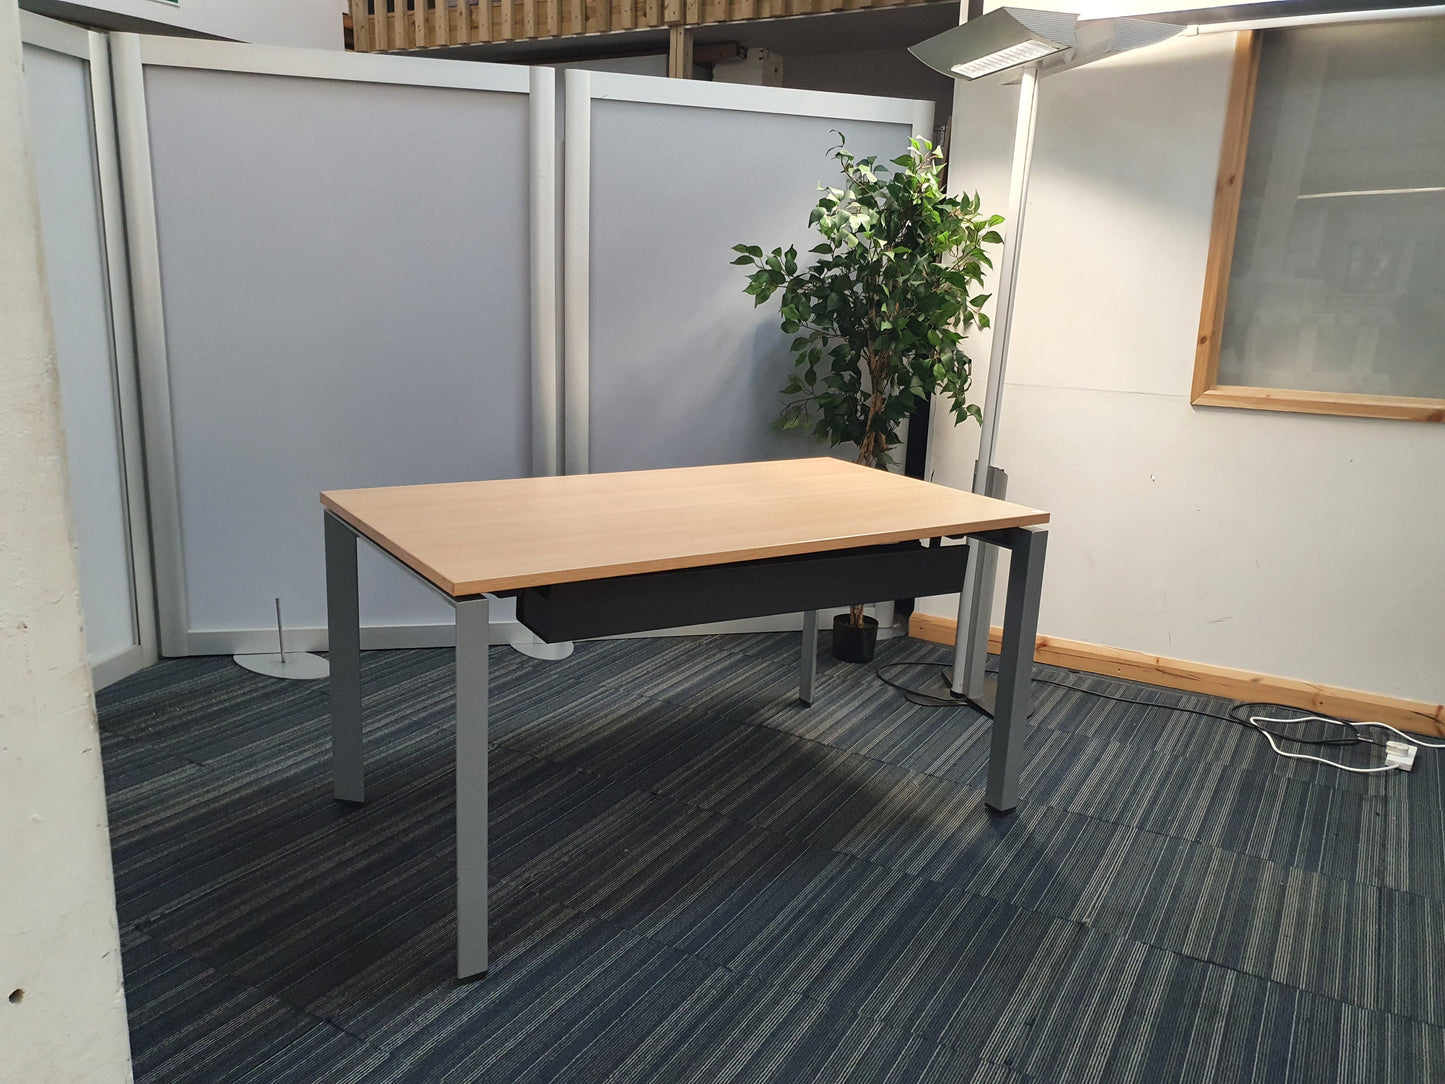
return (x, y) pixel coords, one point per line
(975, 603)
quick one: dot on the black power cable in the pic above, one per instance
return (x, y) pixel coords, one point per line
(1238, 712)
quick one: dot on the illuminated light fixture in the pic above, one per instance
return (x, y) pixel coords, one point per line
(1005, 58)
(1000, 40)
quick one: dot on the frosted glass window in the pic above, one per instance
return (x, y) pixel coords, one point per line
(1337, 283)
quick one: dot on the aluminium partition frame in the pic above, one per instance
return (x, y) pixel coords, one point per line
(582, 88)
(90, 46)
(130, 55)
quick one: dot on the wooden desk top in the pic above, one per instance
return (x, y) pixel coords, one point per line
(472, 537)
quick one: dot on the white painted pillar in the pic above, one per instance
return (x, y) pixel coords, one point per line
(62, 1004)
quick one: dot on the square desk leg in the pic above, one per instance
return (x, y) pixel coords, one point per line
(1016, 663)
(347, 766)
(808, 668)
(473, 636)
(343, 645)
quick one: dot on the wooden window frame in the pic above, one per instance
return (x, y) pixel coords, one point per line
(1206, 390)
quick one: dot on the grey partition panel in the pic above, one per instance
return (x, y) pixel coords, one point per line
(344, 276)
(684, 369)
(65, 152)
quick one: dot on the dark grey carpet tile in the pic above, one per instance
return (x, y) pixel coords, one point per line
(679, 875)
(632, 740)
(730, 1029)
(1413, 834)
(316, 908)
(871, 720)
(190, 1022)
(135, 767)
(1293, 821)
(1121, 1011)
(772, 780)
(568, 997)
(225, 817)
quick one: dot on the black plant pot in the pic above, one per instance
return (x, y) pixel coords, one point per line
(852, 644)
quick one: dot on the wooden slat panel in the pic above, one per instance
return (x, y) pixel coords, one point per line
(466, 21)
(679, 53)
(360, 27)
(380, 28)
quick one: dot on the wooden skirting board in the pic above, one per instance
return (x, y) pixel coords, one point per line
(1199, 677)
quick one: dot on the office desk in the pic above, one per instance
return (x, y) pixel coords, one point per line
(602, 554)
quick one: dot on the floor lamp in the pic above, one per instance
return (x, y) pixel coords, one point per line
(1036, 43)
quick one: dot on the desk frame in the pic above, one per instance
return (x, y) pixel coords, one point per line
(1026, 544)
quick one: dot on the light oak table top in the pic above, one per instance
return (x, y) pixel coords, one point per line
(468, 538)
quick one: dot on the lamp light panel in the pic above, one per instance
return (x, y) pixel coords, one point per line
(1014, 55)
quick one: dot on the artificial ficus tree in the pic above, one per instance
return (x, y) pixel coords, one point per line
(880, 315)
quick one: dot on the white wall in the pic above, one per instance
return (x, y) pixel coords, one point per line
(1296, 545)
(62, 1005)
(310, 24)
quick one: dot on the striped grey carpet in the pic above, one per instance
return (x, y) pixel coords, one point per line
(695, 878)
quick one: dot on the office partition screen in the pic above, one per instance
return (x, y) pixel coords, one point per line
(336, 260)
(667, 362)
(72, 141)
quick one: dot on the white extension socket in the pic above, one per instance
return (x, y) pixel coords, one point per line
(1399, 754)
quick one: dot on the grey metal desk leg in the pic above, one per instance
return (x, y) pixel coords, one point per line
(808, 669)
(343, 644)
(472, 643)
(1020, 630)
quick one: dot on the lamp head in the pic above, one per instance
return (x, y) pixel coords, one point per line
(1003, 38)
(1055, 40)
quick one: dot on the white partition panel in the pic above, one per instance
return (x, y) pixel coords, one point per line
(337, 259)
(667, 362)
(72, 141)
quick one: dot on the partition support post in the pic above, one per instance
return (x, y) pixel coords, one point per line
(542, 114)
(576, 268)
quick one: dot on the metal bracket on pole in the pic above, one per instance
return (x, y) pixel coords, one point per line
(975, 610)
